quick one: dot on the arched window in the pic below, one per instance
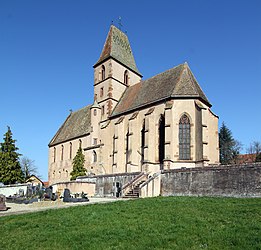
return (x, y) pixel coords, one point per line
(161, 140)
(80, 143)
(54, 154)
(62, 153)
(142, 142)
(103, 73)
(128, 149)
(94, 156)
(184, 138)
(70, 152)
(126, 77)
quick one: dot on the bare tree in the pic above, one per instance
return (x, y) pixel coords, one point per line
(254, 149)
(28, 167)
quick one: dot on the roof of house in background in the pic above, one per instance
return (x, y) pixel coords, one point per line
(77, 124)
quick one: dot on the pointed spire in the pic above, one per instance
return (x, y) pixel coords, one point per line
(117, 46)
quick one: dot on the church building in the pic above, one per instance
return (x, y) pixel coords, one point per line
(135, 125)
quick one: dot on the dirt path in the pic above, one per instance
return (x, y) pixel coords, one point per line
(45, 205)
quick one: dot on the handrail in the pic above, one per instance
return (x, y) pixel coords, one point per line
(154, 176)
(130, 185)
(130, 182)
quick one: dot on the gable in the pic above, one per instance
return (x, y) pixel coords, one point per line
(77, 124)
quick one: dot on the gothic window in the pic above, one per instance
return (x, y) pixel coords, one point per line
(54, 154)
(102, 110)
(80, 143)
(95, 112)
(103, 73)
(113, 149)
(62, 148)
(70, 151)
(142, 142)
(94, 156)
(184, 138)
(161, 140)
(126, 77)
(127, 148)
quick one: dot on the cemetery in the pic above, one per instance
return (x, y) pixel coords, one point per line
(26, 197)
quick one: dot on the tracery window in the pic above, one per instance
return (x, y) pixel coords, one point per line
(184, 138)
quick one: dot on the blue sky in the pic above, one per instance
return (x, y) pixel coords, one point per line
(48, 48)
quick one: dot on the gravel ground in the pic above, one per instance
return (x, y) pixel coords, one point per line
(44, 205)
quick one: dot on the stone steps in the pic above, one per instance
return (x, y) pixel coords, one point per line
(135, 192)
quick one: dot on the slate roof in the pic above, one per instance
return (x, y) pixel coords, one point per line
(117, 46)
(77, 124)
(177, 82)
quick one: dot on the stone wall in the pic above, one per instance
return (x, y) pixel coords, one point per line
(13, 189)
(106, 184)
(234, 181)
(75, 187)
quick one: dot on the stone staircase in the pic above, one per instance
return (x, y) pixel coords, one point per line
(132, 188)
(135, 191)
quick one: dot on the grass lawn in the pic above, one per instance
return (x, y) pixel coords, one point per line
(152, 223)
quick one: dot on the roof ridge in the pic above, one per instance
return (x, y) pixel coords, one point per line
(162, 73)
(81, 108)
(198, 86)
(184, 67)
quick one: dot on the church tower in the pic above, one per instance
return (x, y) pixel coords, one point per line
(114, 71)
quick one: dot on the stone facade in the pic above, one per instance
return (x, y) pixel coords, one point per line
(135, 125)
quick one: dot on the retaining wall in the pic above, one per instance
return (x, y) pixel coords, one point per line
(230, 180)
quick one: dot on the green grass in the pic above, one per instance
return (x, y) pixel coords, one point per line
(152, 223)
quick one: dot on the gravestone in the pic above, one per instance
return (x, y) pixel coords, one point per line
(29, 192)
(21, 192)
(2, 203)
(66, 195)
(48, 193)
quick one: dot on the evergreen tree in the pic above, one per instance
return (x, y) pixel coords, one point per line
(78, 165)
(229, 148)
(10, 169)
